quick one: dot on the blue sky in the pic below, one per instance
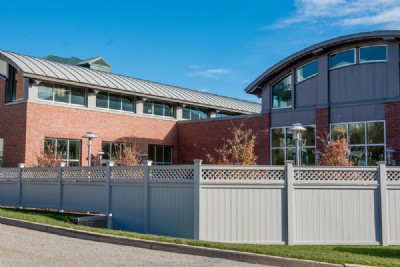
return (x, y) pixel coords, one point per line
(214, 46)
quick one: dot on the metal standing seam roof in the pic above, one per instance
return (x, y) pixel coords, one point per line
(34, 67)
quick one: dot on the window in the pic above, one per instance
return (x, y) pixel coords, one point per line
(14, 90)
(307, 71)
(342, 59)
(1, 151)
(61, 93)
(160, 155)
(3, 69)
(115, 101)
(284, 147)
(70, 150)
(158, 108)
(221, 114)
(112, 150)
(373, 53)
(193, 113)
(366, 141)
(282, 93)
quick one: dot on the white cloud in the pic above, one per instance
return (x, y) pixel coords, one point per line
(209, 73)
(344, 13)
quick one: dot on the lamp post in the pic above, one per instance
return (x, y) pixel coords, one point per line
(89, 136)
(389, 156)
(297, 130)
(100, 154)
(317, 154)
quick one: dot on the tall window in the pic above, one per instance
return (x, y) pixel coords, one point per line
(112, 150)
(342, 59)
(282, 93)
(115, 101)
(158, 108)
(307, 71)
(69, 150)
(193, 113)
(160, 155)
(14, 90)
(373, 53)
(284, 147)
(366, 141)
(61, 93)
(3, 69)
(1, 151)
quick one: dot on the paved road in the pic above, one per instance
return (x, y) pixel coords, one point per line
(22, 247)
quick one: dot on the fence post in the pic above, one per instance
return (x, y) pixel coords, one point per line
(108, 194)
(289, 173)
(146, 205)
(196, 198)
(384, 203)
(20, 167)
(59, 185)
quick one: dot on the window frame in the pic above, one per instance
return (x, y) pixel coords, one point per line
(342, 51)
(207, 112)
(110, 145)
(372, 61)
(70, 94)
(365, 145)
(121, 96)
(67, 160)
(154, 157)
(291, 91)
(309, 77)
(163, 108)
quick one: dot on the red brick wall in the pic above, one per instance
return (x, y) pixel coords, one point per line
(65, 122)
(12, 129)
(392, 117)
(195, 138)
(322, 126)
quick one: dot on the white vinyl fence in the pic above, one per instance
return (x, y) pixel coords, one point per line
(268, 205)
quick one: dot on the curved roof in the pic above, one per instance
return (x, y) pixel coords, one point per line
(41, 69)
(255, 86)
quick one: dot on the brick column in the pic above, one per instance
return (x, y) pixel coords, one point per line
(392, 117)
(322, 126)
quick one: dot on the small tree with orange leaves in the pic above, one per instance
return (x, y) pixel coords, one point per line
(335, 150)
(237, 150)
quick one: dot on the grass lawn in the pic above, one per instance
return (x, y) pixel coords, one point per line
(366, 255)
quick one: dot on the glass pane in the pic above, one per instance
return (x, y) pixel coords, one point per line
(339, 131)
(203, 113)
(278, 137)
(308, 156)
(49, 144)
(74, 149)
(375, 154)
(106, 147)
(116, 151)
(115, 102)
(282, 93)
(150, 152)
(61, 93)
(78, 96)
(291, 154)
(169, 110)
(194, 114)
(158, 109)
(376, 132)
(147, 107)
(357, 155)
(278, 156)
(373, 53)
(309, 136)
(159, 154)
(186, 113)
(128, 103)
(62, 146)
(45, 91)
(289, 138)
(102, 100)
(356, 133)
(341, 59)
(307, 71)
(3, 68)
(167, 155)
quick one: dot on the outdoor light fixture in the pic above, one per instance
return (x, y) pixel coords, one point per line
(389, 156)
(89, 136)
(143, 157)
(317, 154)
(297, 131)
(100, 154)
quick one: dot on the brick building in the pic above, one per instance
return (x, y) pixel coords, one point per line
(347, 86)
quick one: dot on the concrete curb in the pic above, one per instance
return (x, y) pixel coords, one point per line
(170, 247)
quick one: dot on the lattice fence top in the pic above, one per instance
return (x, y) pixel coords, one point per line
(393, 175)
(336, 175)
(40, 174)
(172, 174)
(243, 175)
(127, 174)
(7, 174)
(85, 174)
